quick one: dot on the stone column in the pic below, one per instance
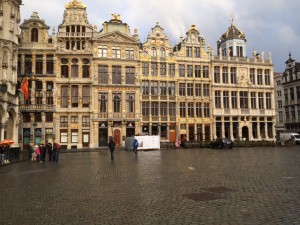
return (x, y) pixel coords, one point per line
(33, 62)
(258, 130)
(43, 127)
(44, 64)
(223, 128)
(44, 91)
(250, 129)
(32, 129)
(22, 63)
(266, 130)
(231, 129)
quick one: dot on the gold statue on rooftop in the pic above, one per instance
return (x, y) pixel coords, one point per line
(75, 4)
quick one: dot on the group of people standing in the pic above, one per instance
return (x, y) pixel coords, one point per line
(40, 151)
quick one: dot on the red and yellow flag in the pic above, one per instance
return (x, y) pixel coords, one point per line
(24, 88)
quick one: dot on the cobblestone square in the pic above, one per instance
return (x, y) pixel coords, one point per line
(191, 186)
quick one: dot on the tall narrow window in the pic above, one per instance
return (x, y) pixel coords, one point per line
(74, 96)
(129, 53)
(171, 70)
(172, 109)
(244, 99)
(260, 100)
(182, 89)
(64, 71)
(181, 70)
(130, 74)
(206, 110)
(130, 103)
(154, 69)
(102, 74)
(198, 89)
(86, 96)
(218, 99)
(233, 75)
(64, 96)
(205, 72)
(197, 52)
(102, 51)
(145, 87)
(253, 100)
(153, 52)
(50, 64)
(171, 88)
(268, 100)
(217, 74)
(163, 69)
(267, 77)
(189, 71)
(28, 64)
(182, 109)
(163, 108)
(252, 75)
(39, 64)
(85, 71)
(117, 102)
(162, 53)
(116, 75)
(190, 89)
(225, 99)
(234, 99)
(197, 71)
(225, 75)
(102, 102)
(190, 109)
(145, 69)
(34, 35)
(74, 71)
(198, 109)
(154, 108)
(206, 90)
(189, 52)
(154, 88)
(259, 77)
(49, 93)
(163, 88)
(116, 52)
(145, 108)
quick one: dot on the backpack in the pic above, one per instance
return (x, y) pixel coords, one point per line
(135, 143)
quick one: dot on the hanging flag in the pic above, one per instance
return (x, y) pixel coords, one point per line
(24, 87)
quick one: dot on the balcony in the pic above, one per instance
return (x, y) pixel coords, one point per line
(75, 34)
(102, 115)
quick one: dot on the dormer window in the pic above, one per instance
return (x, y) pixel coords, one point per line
(34, 35)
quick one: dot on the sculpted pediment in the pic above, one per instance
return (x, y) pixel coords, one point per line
(116, 37)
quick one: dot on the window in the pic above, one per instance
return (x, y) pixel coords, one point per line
(163, 69)
(244, 99)
(197, 52)
(102, 74)
(145, 69)
(206, 110)
(280, 117)
(190, 89)
(293, 113)
(74, 71)
(182, 89)
(298, 94)
(39, 64)
(64, 96)
(49, 64)
(154, 108)
(85, 71)
(116, 74)
(154, 88)
(63, 137)
(172, 70)
(172, 109)
(218, 99)
(74, 119)
(225, 99)
(86, 96)
(253, 100)
(145, 87)
(182, 109)
(85, 121)
(225, 75)
(163, 109)
(234, 99)
(189, 52)
(74, 96)
(197, 71)
(49, 93)
(233, 75)
(129, 53)
(278, 82)
(154, 69)
(268, 100)
(28, 64)
(116, 52)
(145, 108)
(171, 88)
(190, 109)
(189, 70)
(116, 102)
(64, 71)
(278, 93)
(102, 51)
(267, 77)
(130, 103)
(198, 109)
(153, 52)
(205, 72)
(279, 103)
(163, 88)
(259, 77)
(287, 114)
(260, 100)
(206, 91)
(74, 137)
(239, 51)
(130, 74)
(181, 70)
(102, 102)
(34, 35)
(162, 53)
(252, 75)
(286, 96)
(198, 89)
(217, 74)
(49, 117)
(292, 94)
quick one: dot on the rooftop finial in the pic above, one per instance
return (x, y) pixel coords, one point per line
(232, 17)
(290, 55)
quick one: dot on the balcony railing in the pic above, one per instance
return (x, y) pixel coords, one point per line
(103, 115)
(245, 111)
(75, 34)
(85, 124)
(36, 107)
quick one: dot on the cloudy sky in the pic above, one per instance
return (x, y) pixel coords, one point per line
(270, 25)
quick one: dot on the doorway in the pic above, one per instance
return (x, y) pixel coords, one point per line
(245, 133)
(102, 137)
(117, 137)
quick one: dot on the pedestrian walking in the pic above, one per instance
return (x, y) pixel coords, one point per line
(33, 154)
(135, 145)
(111, 145)
(38, 153)
(56, 151)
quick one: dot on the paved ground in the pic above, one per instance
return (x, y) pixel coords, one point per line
(193, 186)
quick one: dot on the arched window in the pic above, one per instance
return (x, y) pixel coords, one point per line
(162, 53)
(153, 52)
(34, 35)
(117, 103)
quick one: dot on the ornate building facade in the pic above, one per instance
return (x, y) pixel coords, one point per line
(87, 85)
(9, 33)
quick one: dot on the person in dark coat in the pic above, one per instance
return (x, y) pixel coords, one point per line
(43, 152)
(111, 145)
(50, 151)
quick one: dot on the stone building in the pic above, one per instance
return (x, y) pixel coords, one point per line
(9, 34)
(291, 94)
(279, 104)
(87, 85)
(36, 61)
(243, 90)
